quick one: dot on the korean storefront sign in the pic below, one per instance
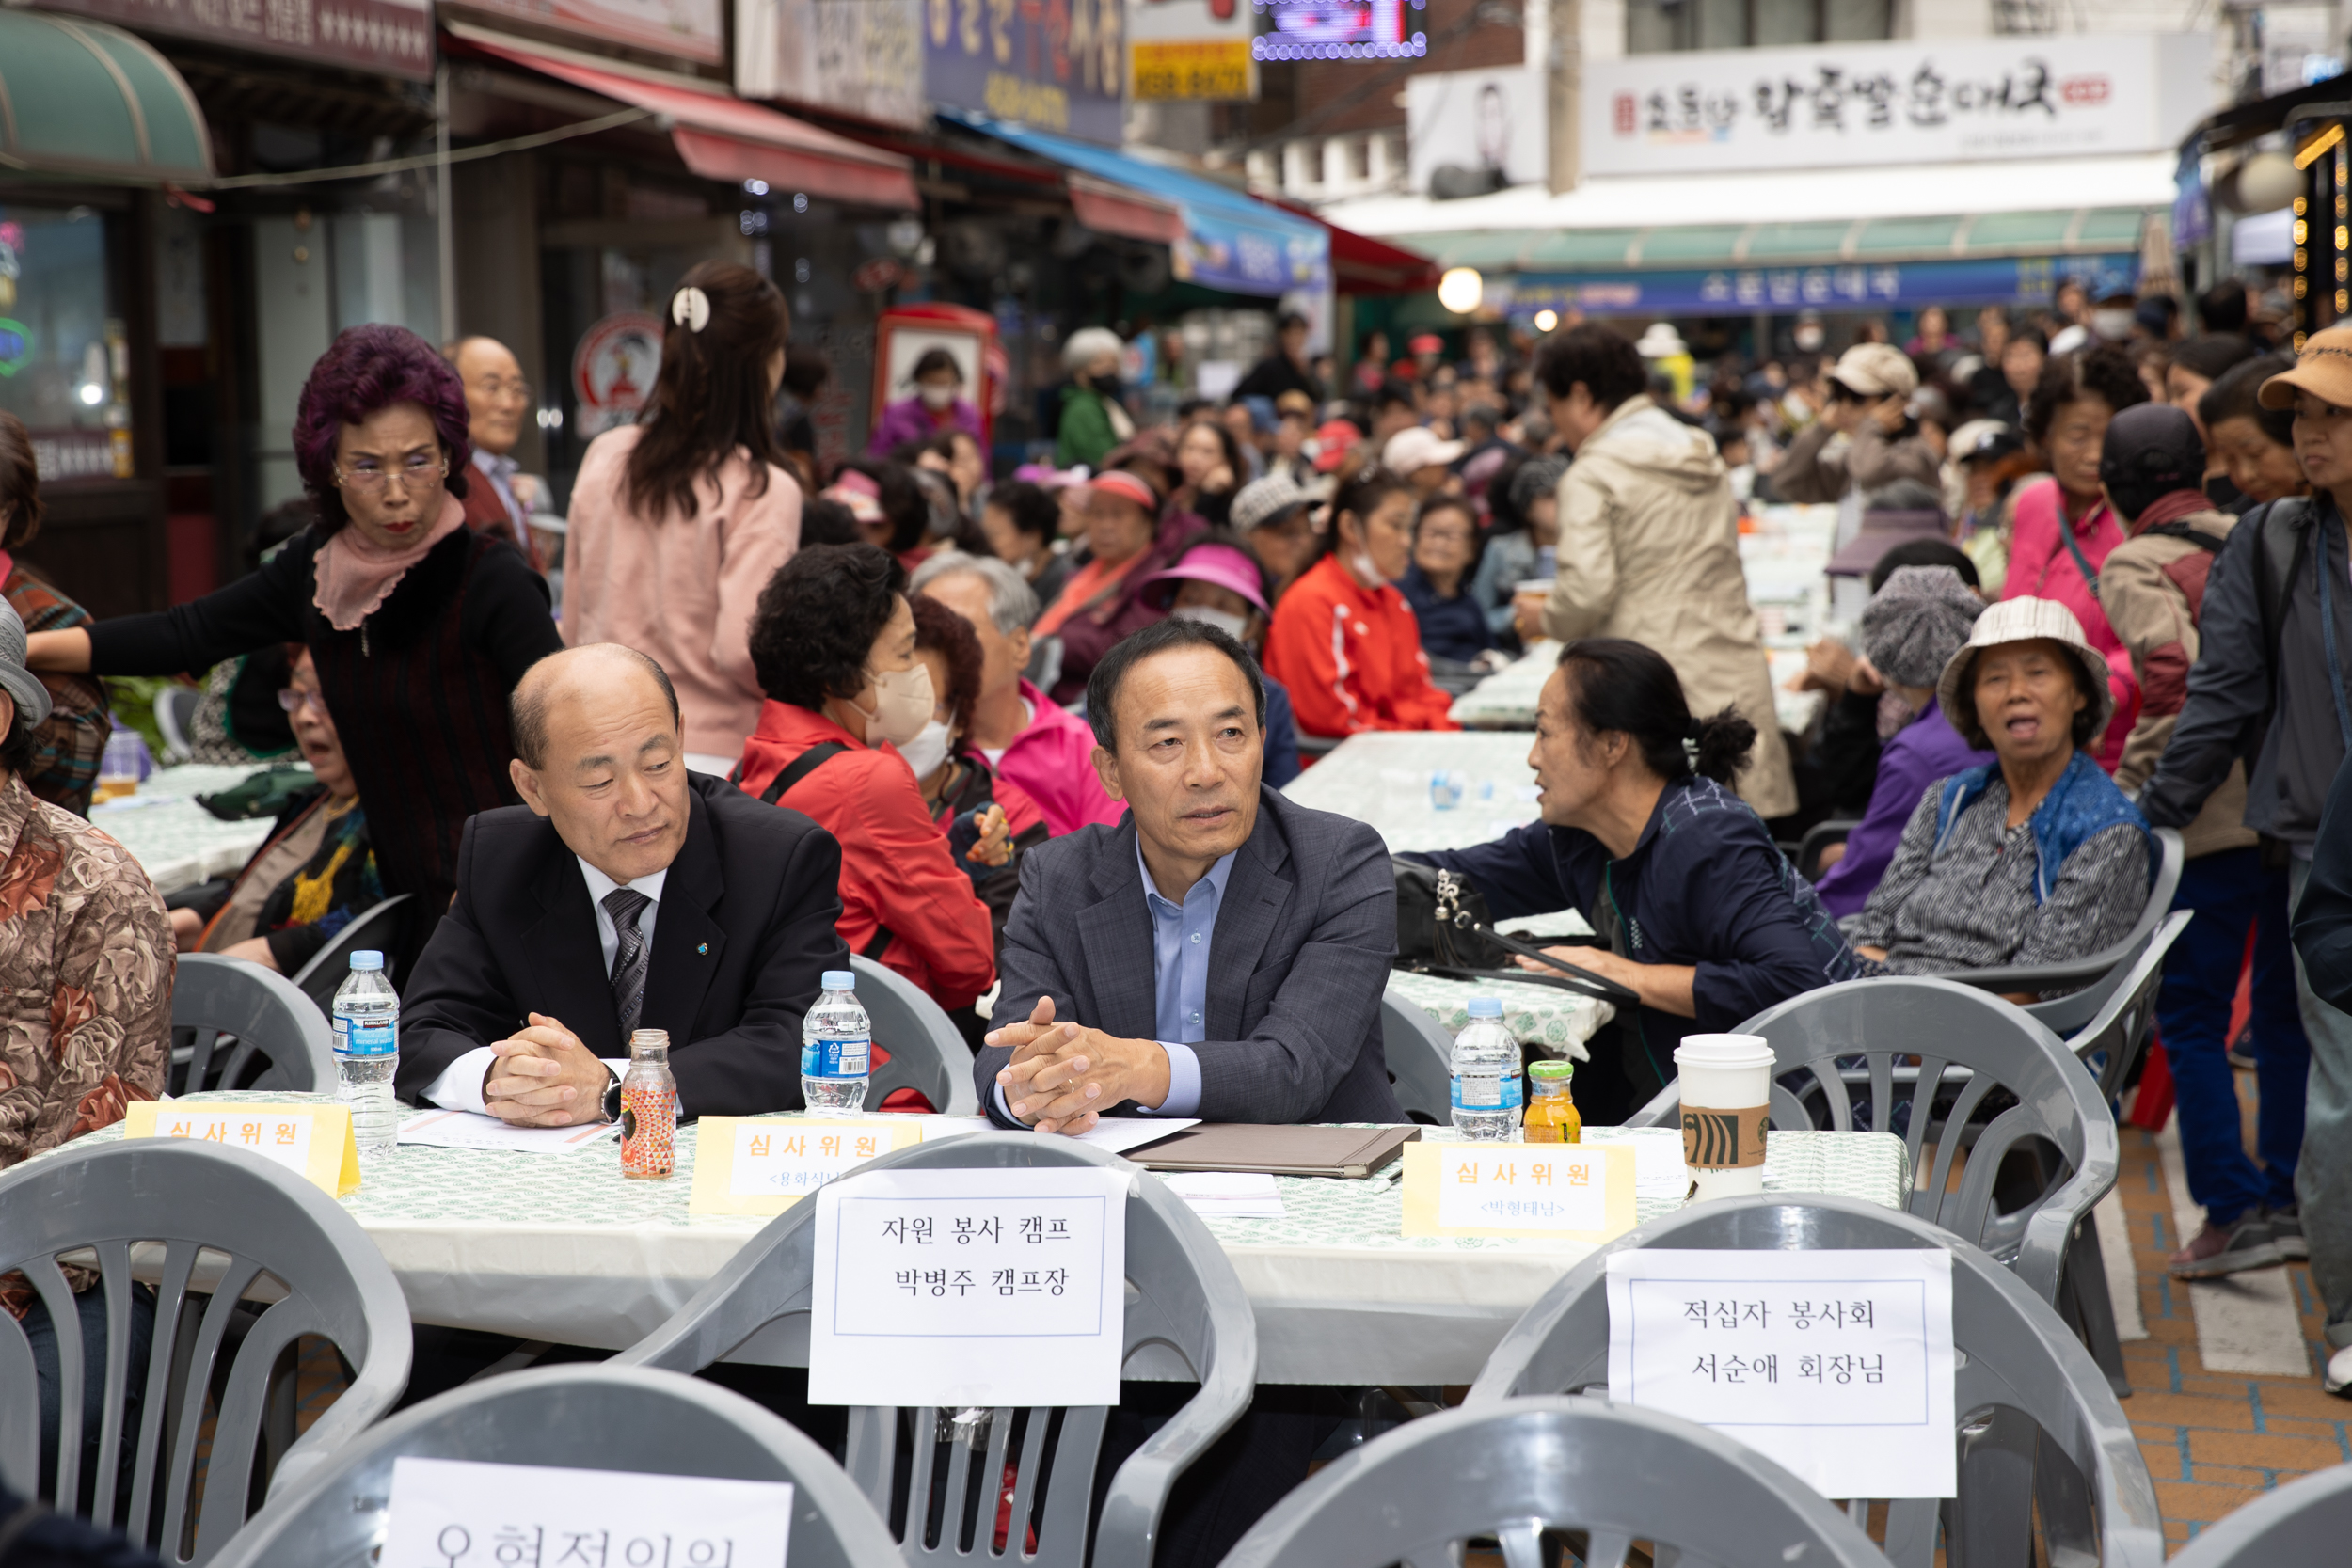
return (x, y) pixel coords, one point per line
(1784, 291)
(862, 57)
(1190, 49)
(1912, 101)
(394, 37)
(1057, 65)
(688, 29)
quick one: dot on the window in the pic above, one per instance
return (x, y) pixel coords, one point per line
(63, 361)
(1660, 26)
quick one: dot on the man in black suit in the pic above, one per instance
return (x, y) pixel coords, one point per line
(625, 894)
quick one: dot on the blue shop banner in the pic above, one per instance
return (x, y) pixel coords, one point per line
(1851, 286)
(1057, 65)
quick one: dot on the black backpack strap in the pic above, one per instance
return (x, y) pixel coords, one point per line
(2205, 542)
(801, 767)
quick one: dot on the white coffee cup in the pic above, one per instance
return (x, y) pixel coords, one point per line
(1721, 1075)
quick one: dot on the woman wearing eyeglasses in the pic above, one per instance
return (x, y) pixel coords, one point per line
(419, 627)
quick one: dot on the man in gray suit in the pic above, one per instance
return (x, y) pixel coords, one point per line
(1221, 952)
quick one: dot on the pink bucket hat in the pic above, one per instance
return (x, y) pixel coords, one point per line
(1221, 564)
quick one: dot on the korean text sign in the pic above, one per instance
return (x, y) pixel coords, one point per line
(757, 1166)
(458, 1513)
(1835, 1365)
(314, 1141)
(970, 1285)
(1568, 1191)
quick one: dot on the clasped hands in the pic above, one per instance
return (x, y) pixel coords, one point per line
(543, 1077)
(1063, 1076)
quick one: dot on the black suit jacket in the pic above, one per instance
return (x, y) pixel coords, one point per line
(744, 932)
(1297, 966)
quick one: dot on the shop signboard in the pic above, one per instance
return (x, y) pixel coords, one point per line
(1496, 120)
(1785, 291)
(1190, 49)
(1342, 30)
(392, 38)
(688, 29)
(1910, 101)
(612, 370)
(858, 57)
(1056, 65)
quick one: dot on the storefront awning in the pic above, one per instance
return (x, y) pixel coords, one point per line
(1363, 266)
(81, 98)
(721, 137)
(1221, 239)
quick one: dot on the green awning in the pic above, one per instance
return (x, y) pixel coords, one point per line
(81, 98)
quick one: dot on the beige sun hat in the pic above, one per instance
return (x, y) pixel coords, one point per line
(2020, 620)
(2324, 369)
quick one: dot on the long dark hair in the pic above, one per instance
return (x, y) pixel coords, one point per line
(1625, 686)
(1362, 496)
(712, 394)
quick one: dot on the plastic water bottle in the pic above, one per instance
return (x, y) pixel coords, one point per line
(836, 1048)
(1485, 1076)
(367, 1054)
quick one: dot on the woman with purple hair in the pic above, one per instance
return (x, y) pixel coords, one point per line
(419, 625)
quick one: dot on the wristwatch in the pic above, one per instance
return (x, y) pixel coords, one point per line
(612, 1100)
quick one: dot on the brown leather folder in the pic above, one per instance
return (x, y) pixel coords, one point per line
(1344, 1151)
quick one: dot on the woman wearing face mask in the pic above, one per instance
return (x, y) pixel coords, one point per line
(1217, 583)
(1343, 639)
(937, 406)
(1093, 419)
(2063, 527)
(833, 642)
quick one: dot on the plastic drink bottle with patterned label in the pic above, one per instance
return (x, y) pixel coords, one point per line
(367, 1054)
(1551, 1115)
(648, 1107)
(1485, 1076)
(836, 1047)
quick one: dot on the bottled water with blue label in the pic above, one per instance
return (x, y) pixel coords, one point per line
(836, 1047)
(1487, 1093)
(367, 1054)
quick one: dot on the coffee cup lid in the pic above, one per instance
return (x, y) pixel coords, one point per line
(1724, 1050)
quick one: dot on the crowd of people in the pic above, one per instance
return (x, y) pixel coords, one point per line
(1020, 739)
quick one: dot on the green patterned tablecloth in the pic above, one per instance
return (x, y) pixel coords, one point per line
(1555, 1022)
(1383, 778)
(176, 840)
(563, 1247)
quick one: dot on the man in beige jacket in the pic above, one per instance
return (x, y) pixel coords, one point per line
(1649, 545)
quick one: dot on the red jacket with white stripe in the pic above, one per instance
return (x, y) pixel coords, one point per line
(1351, 656)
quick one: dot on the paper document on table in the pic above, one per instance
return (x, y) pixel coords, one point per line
(1111, 1134)
(472, 1130)
(1658, 1167)
(456, 1511)
(1227, 1195)
(970, 1287)
(1836, 1365)
(935, 1128)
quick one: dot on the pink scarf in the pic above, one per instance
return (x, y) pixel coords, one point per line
(355, 577)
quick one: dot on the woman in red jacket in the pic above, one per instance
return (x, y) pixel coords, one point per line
(833, 642)
(1343, 639)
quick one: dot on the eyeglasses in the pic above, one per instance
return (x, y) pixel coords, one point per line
(494, 387)
(417, 471)
(293, 699)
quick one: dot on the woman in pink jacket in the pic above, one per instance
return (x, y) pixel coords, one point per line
(2063, 527)
(679, 520)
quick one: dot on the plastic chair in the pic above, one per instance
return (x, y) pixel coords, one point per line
(378, 929)
(258, 1014)
(2110, 1043)
(1421, 1060)
(1818, 838)
(2304, 1520)
(589, 1417)
(927, 1053)
(175, 715)
(1185, 1314)
(254, 1223)
(2037, 1424)
(1967, 1044)
(2089, 981)
(1519, 1469)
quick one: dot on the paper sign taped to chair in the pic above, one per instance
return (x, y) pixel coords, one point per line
(313, 1140)
(1557, 1192)
(461, 1514)
(972, 1286)
(1836, 1365)
(765, 1164)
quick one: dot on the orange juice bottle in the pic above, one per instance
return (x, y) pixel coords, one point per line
(1551, 1115)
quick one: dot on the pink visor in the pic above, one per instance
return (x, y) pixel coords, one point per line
(1118, 482)
(1221, 564)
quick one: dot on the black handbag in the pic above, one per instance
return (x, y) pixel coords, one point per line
(1442, 929)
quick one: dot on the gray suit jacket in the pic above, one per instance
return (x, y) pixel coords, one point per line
(1296, 967)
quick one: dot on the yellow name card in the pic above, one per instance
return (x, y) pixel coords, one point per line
(1561, 1191)
(765, 1164)
(312, 1140)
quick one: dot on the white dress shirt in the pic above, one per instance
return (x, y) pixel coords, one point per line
(459, 1087)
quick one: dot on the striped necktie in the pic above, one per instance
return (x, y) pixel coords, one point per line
(629, 961)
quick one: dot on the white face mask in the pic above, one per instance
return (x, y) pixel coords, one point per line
(1232, 625)
(936, 396)
(926, 751)
(2113, 324)
(1366, 571)
(902, 704)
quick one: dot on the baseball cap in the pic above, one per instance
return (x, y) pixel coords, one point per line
(1333, 442)
(1265, 500)
(1426, 343)
(1876, 371)
(1416, 448)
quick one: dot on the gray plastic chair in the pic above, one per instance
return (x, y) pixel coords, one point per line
(175, 715)
(928, 1053)
(1187, 1315)
(1421, 1060)
(1818, 839)
(2306, 1521)
(1519, 1468)
(254, 1223)
(2089, 981)
(2110, 1043)
(588, 1418)
(2042, 1439)
(377, 929)
(268, 1017)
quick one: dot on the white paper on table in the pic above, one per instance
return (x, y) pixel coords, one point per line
(1111, 1134)
(1658, 1167)
(1227, 1195)
(1835, 1365)
(472, 1130)
(970, 1287)
(936, 1128)
(456, 1511)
